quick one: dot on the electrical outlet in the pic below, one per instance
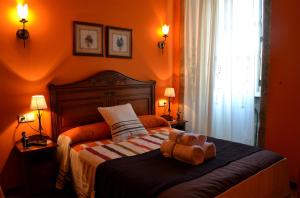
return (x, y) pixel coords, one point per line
(24, 118)
(162, 102)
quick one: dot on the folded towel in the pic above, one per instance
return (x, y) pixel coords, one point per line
(209, 150)
(202, 139)
(189, 154)
(167, 147)
(188, 147)
(190, 139)
(175, 134)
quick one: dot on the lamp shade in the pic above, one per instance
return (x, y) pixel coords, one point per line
(170, 92)
(22, 11)
(38, 102)
(165, 29)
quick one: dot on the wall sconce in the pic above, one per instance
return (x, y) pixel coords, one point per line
(161, 44)
(23, 13)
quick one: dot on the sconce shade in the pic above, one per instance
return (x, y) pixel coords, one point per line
(38, 102)
(169, 92)
(165, 30)
(23, 11)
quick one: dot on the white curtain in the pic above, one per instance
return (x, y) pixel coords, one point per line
(220, 67)
(199, 35)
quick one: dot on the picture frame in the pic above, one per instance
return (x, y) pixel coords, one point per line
(87, 39)
(118, 42)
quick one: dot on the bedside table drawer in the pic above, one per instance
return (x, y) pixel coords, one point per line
(39, 167)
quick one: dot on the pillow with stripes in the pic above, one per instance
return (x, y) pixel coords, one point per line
(123, 122)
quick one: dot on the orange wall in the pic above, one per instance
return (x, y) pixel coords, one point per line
(48, 54)
(48, 58)
(283, 117)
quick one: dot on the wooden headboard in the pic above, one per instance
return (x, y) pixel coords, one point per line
(76, 103)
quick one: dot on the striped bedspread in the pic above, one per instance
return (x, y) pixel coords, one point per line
(99, 152)
(84, 158)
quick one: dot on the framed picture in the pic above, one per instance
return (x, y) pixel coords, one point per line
(88, 39)
(118, 42)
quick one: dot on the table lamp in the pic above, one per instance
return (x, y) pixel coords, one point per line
(170, 93)
(38, 103)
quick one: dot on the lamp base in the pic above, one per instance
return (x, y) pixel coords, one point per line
(167, 117)
(38, 140)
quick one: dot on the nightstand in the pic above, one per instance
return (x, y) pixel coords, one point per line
(39, 167)
(178, 124)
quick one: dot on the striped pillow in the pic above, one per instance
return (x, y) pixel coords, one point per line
(123, 122)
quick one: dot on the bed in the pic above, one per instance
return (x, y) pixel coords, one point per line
(75, 104)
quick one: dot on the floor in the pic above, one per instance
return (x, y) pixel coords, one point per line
(69, 193)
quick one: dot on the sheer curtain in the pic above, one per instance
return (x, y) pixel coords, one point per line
(219, 100)
(199, 36)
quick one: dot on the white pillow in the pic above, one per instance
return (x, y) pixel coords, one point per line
(123, 122)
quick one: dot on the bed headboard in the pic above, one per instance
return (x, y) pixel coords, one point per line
(76, 103)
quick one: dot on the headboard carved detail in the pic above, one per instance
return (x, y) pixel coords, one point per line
(76, 103)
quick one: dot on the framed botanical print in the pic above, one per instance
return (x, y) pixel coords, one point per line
(88, 39)
(118, 42)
